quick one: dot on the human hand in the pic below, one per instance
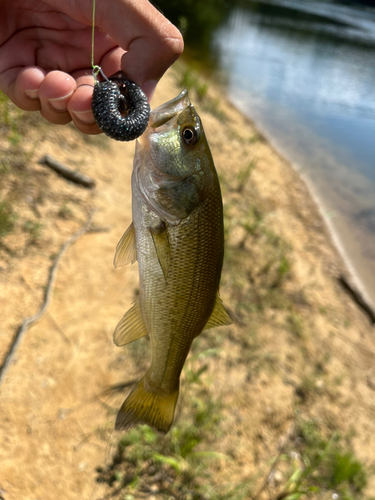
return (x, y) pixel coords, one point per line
(45, 52)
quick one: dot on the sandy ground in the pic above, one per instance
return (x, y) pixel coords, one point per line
(56, 424)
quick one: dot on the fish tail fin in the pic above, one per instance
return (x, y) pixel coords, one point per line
(145, 406)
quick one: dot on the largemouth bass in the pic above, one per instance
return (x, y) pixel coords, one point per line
(177, 237)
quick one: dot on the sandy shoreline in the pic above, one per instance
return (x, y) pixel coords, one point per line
(336, 238)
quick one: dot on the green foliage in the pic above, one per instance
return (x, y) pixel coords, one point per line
(10, 120)
(14, 136)
(65, 212)
(193, 369)
(244, 175)
(175, 465)
(190, 78)
(197, 21)
(191, 81)
(295, 325)
(282, 270)
(257, 137)
(34, 229)
(252, 222)
(4, 109)
(320, 465)
(213, 106)
(7, 217)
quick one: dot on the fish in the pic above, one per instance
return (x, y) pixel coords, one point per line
(177, 237)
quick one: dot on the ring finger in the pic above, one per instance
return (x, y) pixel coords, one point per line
(55, 92)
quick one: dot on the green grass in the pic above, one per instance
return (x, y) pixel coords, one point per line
(8, 217)
(244, 175)
(4, 109)
(65, 212)
(296, 326)
(321, 465)
(192, 82)
(34, 229)
(188, 77)
(178, 465)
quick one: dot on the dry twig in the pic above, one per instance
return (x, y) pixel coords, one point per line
(348, 284)
(65, 172)
(27, 322)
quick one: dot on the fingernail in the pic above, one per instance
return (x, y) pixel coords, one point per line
(60, 103)
(33, 94)
(84, 116)
(149, 88)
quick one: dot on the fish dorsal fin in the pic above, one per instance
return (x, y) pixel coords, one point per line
(160, 238)
(126, 250)
(219, 316)
(131, 327)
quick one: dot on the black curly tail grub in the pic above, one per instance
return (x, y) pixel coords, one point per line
(120, 108)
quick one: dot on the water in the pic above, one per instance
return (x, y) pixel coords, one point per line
(305, 73)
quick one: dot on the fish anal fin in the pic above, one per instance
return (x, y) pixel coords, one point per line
(131, 327)
(219, 315)
(161, 242)
(145, 406)
(126, 250)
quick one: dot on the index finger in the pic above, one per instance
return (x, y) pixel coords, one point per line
(152, 43)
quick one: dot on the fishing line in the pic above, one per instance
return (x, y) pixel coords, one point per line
(95, 68)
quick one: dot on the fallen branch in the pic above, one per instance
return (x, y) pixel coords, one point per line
(99, 229)
(55, 324)
(358, 296)
(28, 322)
(65, 172)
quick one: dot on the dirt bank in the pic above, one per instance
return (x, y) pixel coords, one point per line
(299, 348)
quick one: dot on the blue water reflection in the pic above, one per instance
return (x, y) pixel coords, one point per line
(305, 72)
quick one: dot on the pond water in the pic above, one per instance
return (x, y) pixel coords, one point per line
(304, 71)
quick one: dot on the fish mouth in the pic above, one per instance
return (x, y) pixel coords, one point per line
(168, 110)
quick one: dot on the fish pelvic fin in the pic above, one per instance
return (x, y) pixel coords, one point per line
(146, 406)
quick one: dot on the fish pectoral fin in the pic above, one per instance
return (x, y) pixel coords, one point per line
(126, 250)
(131, 327)
(219, 315)
(161, 242)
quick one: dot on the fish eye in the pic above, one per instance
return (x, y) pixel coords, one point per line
(190, 136)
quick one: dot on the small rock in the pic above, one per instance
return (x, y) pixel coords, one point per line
(63, 413)
(277, 477)
(319, 384)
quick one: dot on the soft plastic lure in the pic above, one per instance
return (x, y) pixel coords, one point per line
(120, 108)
